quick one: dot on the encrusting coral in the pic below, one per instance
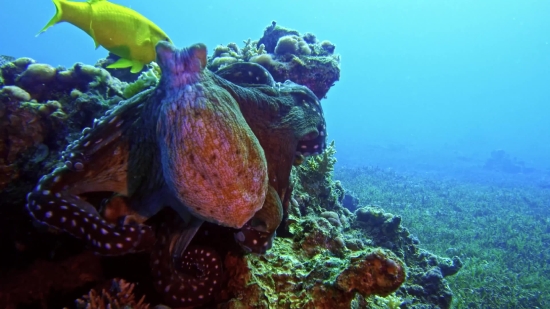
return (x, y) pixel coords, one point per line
(375, 273)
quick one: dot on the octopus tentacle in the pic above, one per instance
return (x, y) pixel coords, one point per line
(257, 234)
(191, 279)
(96, 162)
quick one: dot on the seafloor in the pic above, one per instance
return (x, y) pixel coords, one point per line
(345, 244)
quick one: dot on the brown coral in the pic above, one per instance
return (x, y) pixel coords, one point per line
(377, 273)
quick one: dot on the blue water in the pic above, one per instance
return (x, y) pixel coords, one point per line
(426, 85)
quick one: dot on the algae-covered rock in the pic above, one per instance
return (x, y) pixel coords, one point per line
(37, 79)
(22, 129)
(11, 70)
(374, 273)
(376, 218)
(287, 55)
(37, 73)
(273, 33)
(292, 44)
(8, 93)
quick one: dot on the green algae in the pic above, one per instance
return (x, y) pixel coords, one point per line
(146, 80)
(501, 233)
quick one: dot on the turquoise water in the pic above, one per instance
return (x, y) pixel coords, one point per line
(429, 85)
(435, 90)
(424, 84)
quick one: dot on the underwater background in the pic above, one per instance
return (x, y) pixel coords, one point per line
(441, 115)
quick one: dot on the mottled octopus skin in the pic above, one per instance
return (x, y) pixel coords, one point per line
(213, 162)
(168, 147)
(288, 121)
(97, 162)
(190, 129)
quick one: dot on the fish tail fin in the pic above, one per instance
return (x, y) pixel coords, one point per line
(56, 18)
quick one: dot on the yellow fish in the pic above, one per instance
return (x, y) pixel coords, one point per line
(122, 31)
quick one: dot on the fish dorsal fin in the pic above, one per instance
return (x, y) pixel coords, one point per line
(94, 1)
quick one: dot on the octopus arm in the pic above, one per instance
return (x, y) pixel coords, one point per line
(96, 162)
(257, 234)
(189, 279)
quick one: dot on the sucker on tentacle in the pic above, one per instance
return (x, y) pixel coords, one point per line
(257, 234)
(93, 163)
(192, 279)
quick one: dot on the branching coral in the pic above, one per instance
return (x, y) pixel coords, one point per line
(122, 297)
(323, 164)
(146, 80)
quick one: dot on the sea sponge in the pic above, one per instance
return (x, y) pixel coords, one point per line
(272, 34)
(50, 107)
(287, 44)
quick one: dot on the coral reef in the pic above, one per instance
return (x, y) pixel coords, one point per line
(324, 256)
(287, 55)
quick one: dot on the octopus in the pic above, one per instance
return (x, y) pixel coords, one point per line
(216, 147)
